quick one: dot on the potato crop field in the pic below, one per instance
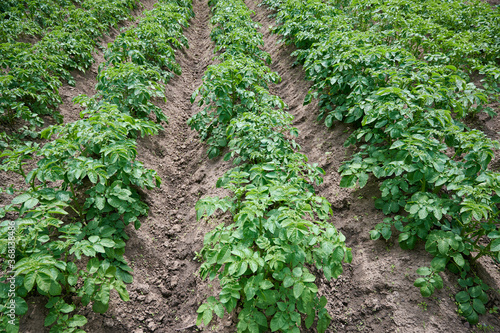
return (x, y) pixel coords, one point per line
(249, 166)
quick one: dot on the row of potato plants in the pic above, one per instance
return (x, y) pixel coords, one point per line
(464, 34)
(31, 18)
(433, 170)
(69, 226)
(33, 73)
(280, 228)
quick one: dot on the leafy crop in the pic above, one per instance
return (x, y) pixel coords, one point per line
(370, 67)
(32, 74)
(19, 18)
(280, 227)
(69, 224)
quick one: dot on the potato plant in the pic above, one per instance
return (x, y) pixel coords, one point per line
(407, 109)
(280, 228)
(70, 221)
(33, 74)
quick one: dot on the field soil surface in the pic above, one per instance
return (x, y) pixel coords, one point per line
(375, 293)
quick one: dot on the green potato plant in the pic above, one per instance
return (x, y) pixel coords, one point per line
(400, 73)
(280, 228)
(68, 224)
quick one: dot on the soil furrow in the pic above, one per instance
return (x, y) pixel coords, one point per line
(166, 290)
(376, 292)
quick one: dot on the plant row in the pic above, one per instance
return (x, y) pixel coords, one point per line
(23, 18)
(433, 171)
(68, 226)
(280, 236)
(32, 74)
(464, 34)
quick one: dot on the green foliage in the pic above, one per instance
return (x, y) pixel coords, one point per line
(83, 192)
(32, 74)
(30, 17)
(399, 71)
(228, 91)
(280, 227)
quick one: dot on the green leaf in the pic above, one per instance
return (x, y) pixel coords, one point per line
(30, 203)
(459, 260)
(362, 179)
(219, 310)
(106, 242)
(77, 321)
(29, 280)
(322, 301)
(348, 181)
(475, 291)
(243, 268)
(43, 282)
(323, 324)
(94, 239)
(21, 198)
(224, 255)
(310, 320)
(50, 319)
(438, 264)
(100, 202)
(67, 308)
(374, 234)
(298, 288)
(426, 290)
(495, 245)
(277, 322)
(55, 289)
(266, 284)
(462, 297)
(473, 318)
(260, 318)
(478, 306)
(422, 213)
(414, 209)
(207, 316)
(308, 277)
(466, 309)
(72, 280)
(288, 281)
(99, 307)
(21, 306)
(297, 272)
(420, 282)
(424, 271)
(443, 247)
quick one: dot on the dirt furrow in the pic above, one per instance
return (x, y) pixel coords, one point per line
(376, 292)
(166, 290)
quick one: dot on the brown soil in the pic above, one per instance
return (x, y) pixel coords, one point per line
(375, 293)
